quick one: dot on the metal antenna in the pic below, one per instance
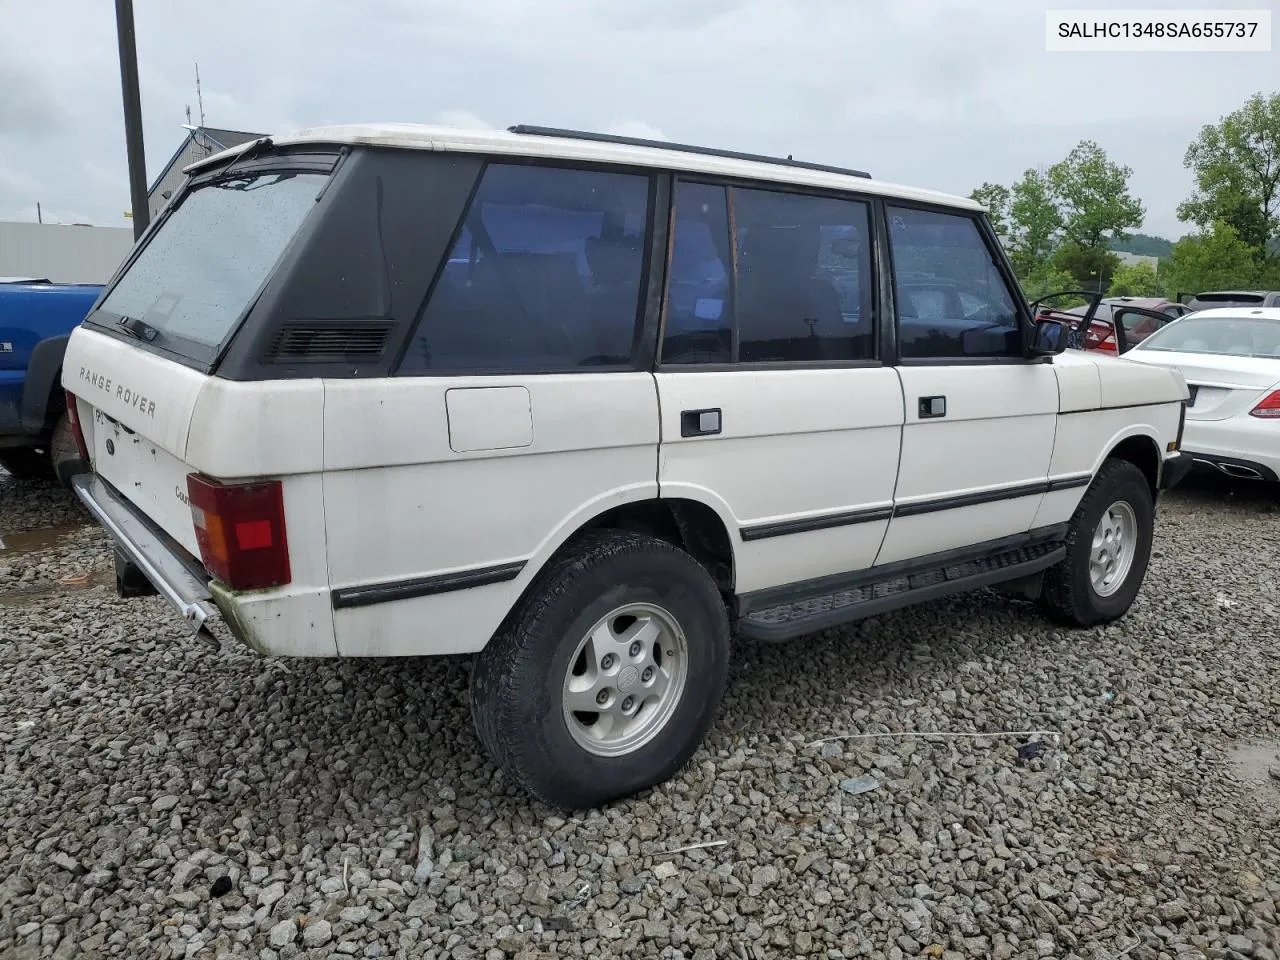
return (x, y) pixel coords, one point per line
(199, 97)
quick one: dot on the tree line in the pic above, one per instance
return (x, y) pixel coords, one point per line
(1060, 223)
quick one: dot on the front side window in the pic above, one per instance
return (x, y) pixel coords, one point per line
(952, 301)
(761, 276)
(545, 275)
(206, 262)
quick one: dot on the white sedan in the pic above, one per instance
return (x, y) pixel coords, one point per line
(1230, 358)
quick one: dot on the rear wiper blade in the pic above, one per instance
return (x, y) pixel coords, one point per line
(138, 329)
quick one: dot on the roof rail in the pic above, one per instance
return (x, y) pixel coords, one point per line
(533, 130)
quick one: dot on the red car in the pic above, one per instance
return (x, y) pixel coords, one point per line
(1140, 317)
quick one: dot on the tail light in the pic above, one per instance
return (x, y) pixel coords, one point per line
(1269, 408)
(1100, 336)
(240, 530)
(73, 419)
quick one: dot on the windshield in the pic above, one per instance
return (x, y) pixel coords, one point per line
(205, 264)
(1244, 337)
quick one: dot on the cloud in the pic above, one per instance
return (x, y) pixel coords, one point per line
(635, 128)
(462, 119)
(939, 93)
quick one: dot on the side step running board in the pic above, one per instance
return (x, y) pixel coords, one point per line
(873, 592)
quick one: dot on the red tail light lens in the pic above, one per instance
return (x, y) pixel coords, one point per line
(240, 530)
(1269, 408)
(1100, 336)
(73, 418)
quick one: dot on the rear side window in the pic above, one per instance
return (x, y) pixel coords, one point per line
(804, 277)
(205, 264)
(761, 276)
(545, 275)
(951, 299)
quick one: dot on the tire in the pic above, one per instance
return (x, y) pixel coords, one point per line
(1070, 593)
(64, 454)
(522, 679)
(27, 463)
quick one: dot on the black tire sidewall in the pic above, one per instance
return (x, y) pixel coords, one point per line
(1131, 487)
(661, 576)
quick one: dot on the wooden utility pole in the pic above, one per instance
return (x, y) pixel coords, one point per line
(132, 115)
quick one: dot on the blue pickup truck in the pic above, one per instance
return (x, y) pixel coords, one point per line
(36, 318)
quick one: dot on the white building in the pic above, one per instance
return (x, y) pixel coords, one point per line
(61, 252)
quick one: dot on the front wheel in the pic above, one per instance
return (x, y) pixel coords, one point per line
(608, 674)
(1108, 549)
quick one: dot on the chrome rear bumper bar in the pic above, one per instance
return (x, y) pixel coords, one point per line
(179, 580)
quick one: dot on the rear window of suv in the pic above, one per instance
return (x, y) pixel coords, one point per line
(207, 261)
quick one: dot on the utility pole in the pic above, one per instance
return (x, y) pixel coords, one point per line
(132, 115)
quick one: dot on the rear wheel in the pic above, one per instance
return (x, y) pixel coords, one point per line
(608, 675)
(1108, 549)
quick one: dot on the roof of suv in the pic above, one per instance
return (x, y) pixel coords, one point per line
(413, 136)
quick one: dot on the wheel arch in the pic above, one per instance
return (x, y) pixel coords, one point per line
(1143, 451)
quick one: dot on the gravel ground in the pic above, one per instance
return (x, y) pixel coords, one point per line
(161, 798)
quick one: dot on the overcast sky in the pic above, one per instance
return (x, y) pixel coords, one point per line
(926, 92)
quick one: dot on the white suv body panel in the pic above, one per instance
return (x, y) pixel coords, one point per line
(997, 434)
(404, 504)
(795, 446)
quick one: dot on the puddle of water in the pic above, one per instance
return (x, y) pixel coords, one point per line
(42, 591)
(32, 541)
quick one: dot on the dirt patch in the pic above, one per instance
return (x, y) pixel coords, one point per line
(1257, 765)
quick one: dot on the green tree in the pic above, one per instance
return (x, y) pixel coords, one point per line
(1236, 163)
(1135, 280)
(995, 197)
(1092, 194)
(1214, 260)
(1090, 267)
(1045, 279)
(1034, 223)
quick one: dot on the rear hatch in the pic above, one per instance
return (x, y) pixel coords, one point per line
(140, 361)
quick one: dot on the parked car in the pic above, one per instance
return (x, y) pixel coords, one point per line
(1213, 299)
(534, 453)
(1230, 359)
(1094, 323)
(36, 317)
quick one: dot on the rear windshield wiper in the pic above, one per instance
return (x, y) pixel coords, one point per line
(138, 329)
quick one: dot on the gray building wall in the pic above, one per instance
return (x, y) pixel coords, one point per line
(63, 253)
(200, 143)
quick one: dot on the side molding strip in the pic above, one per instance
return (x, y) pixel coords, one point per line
(368, 594)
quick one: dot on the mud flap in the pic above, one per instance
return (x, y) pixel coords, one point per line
(131, 581)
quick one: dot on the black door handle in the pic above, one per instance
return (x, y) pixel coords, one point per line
(700, 423)
(933, 407)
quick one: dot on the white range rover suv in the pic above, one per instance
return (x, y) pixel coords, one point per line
(586, 407)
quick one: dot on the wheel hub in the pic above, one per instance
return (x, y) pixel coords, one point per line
(625, 679)
(1115, 544)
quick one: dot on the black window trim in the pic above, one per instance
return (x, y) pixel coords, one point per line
(1003, 267)
(869, 200)
(640, 348)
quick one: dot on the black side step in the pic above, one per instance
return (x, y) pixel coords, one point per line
(873, 591)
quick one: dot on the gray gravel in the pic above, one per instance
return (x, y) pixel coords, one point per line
(347, 811)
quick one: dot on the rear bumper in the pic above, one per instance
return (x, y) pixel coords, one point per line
(178, 578)
(1239, 447)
